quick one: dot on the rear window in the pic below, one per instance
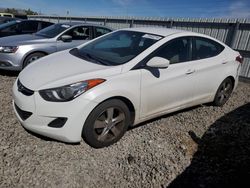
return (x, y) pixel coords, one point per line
(101, 31)
(205, 48)
(46, 24)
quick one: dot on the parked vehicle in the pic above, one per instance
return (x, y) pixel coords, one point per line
(17, 52)
(9, 15)
(3, 14)
(17, 27)
(100, 88)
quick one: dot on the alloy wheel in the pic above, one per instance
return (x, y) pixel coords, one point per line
(109, 125)
(225, 92)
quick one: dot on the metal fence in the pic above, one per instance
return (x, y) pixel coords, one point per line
(233, 32)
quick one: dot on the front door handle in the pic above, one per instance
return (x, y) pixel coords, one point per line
(190, 71)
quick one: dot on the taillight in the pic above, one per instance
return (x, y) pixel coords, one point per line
(239, 58)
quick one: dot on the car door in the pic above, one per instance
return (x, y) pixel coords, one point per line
(209, 65)
(79, 34)
(172, 87)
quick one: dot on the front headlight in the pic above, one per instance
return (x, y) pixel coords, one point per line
(69, 92)
(8, 49)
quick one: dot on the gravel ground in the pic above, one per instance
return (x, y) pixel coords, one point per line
(201, 147)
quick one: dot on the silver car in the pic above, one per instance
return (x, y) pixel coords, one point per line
(16, 52)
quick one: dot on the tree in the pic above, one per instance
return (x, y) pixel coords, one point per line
(19, 11)
(30, 12)
(11, 10)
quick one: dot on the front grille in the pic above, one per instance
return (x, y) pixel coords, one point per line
(23, 114)
(24, 90)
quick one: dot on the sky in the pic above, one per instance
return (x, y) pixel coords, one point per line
(139, 8)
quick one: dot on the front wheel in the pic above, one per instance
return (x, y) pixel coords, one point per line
(106, 124)
(32, 57)
(223, 93)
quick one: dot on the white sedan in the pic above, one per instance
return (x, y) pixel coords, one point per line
(97, 90)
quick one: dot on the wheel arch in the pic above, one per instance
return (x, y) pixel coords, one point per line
(232, 79)
(30, 53)
(129, 104)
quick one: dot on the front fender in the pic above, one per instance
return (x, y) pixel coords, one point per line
(126, 85)
(31, 49)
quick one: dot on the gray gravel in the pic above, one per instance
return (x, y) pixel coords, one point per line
(151, 155)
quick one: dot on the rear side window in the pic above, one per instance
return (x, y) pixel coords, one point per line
(205, 48)
(29, 27)
(99, 31)
(45, 24)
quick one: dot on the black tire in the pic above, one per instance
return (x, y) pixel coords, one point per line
(223, 93)
(100, 129)
(32, 57)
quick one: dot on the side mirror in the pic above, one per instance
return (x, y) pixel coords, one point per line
(66, 38)
(158, 62)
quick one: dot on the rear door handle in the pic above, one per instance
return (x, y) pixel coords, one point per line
(190, 71)
(225, 62)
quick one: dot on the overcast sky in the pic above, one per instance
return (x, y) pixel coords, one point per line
(142, 8)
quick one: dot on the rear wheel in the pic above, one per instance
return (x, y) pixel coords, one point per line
(106, 124)
(32, 57)
(224, 92)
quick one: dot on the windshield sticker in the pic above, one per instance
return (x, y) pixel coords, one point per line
(153, 37)
(65, 26)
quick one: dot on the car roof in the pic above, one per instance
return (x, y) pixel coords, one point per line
(23, 20)
(81, 23)
(18, 20)
(157, 30)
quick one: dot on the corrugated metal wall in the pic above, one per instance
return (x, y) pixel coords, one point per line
(233, 32)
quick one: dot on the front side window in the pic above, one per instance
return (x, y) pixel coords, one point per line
(117, 48)
(80, 33)
(176, 50)
(205, 48)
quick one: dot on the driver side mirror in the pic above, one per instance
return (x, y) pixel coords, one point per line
(158, 62)
(66, 38)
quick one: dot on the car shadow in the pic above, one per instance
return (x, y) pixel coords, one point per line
(223, 155)
(9, 73)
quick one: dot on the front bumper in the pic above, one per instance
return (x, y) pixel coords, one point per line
(10, 61)
(43, 113)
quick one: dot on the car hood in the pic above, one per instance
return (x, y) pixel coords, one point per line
(61, 69)
(21, 40)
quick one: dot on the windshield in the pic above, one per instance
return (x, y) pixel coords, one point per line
(53, 30)
(3, 26)
(117, 48)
